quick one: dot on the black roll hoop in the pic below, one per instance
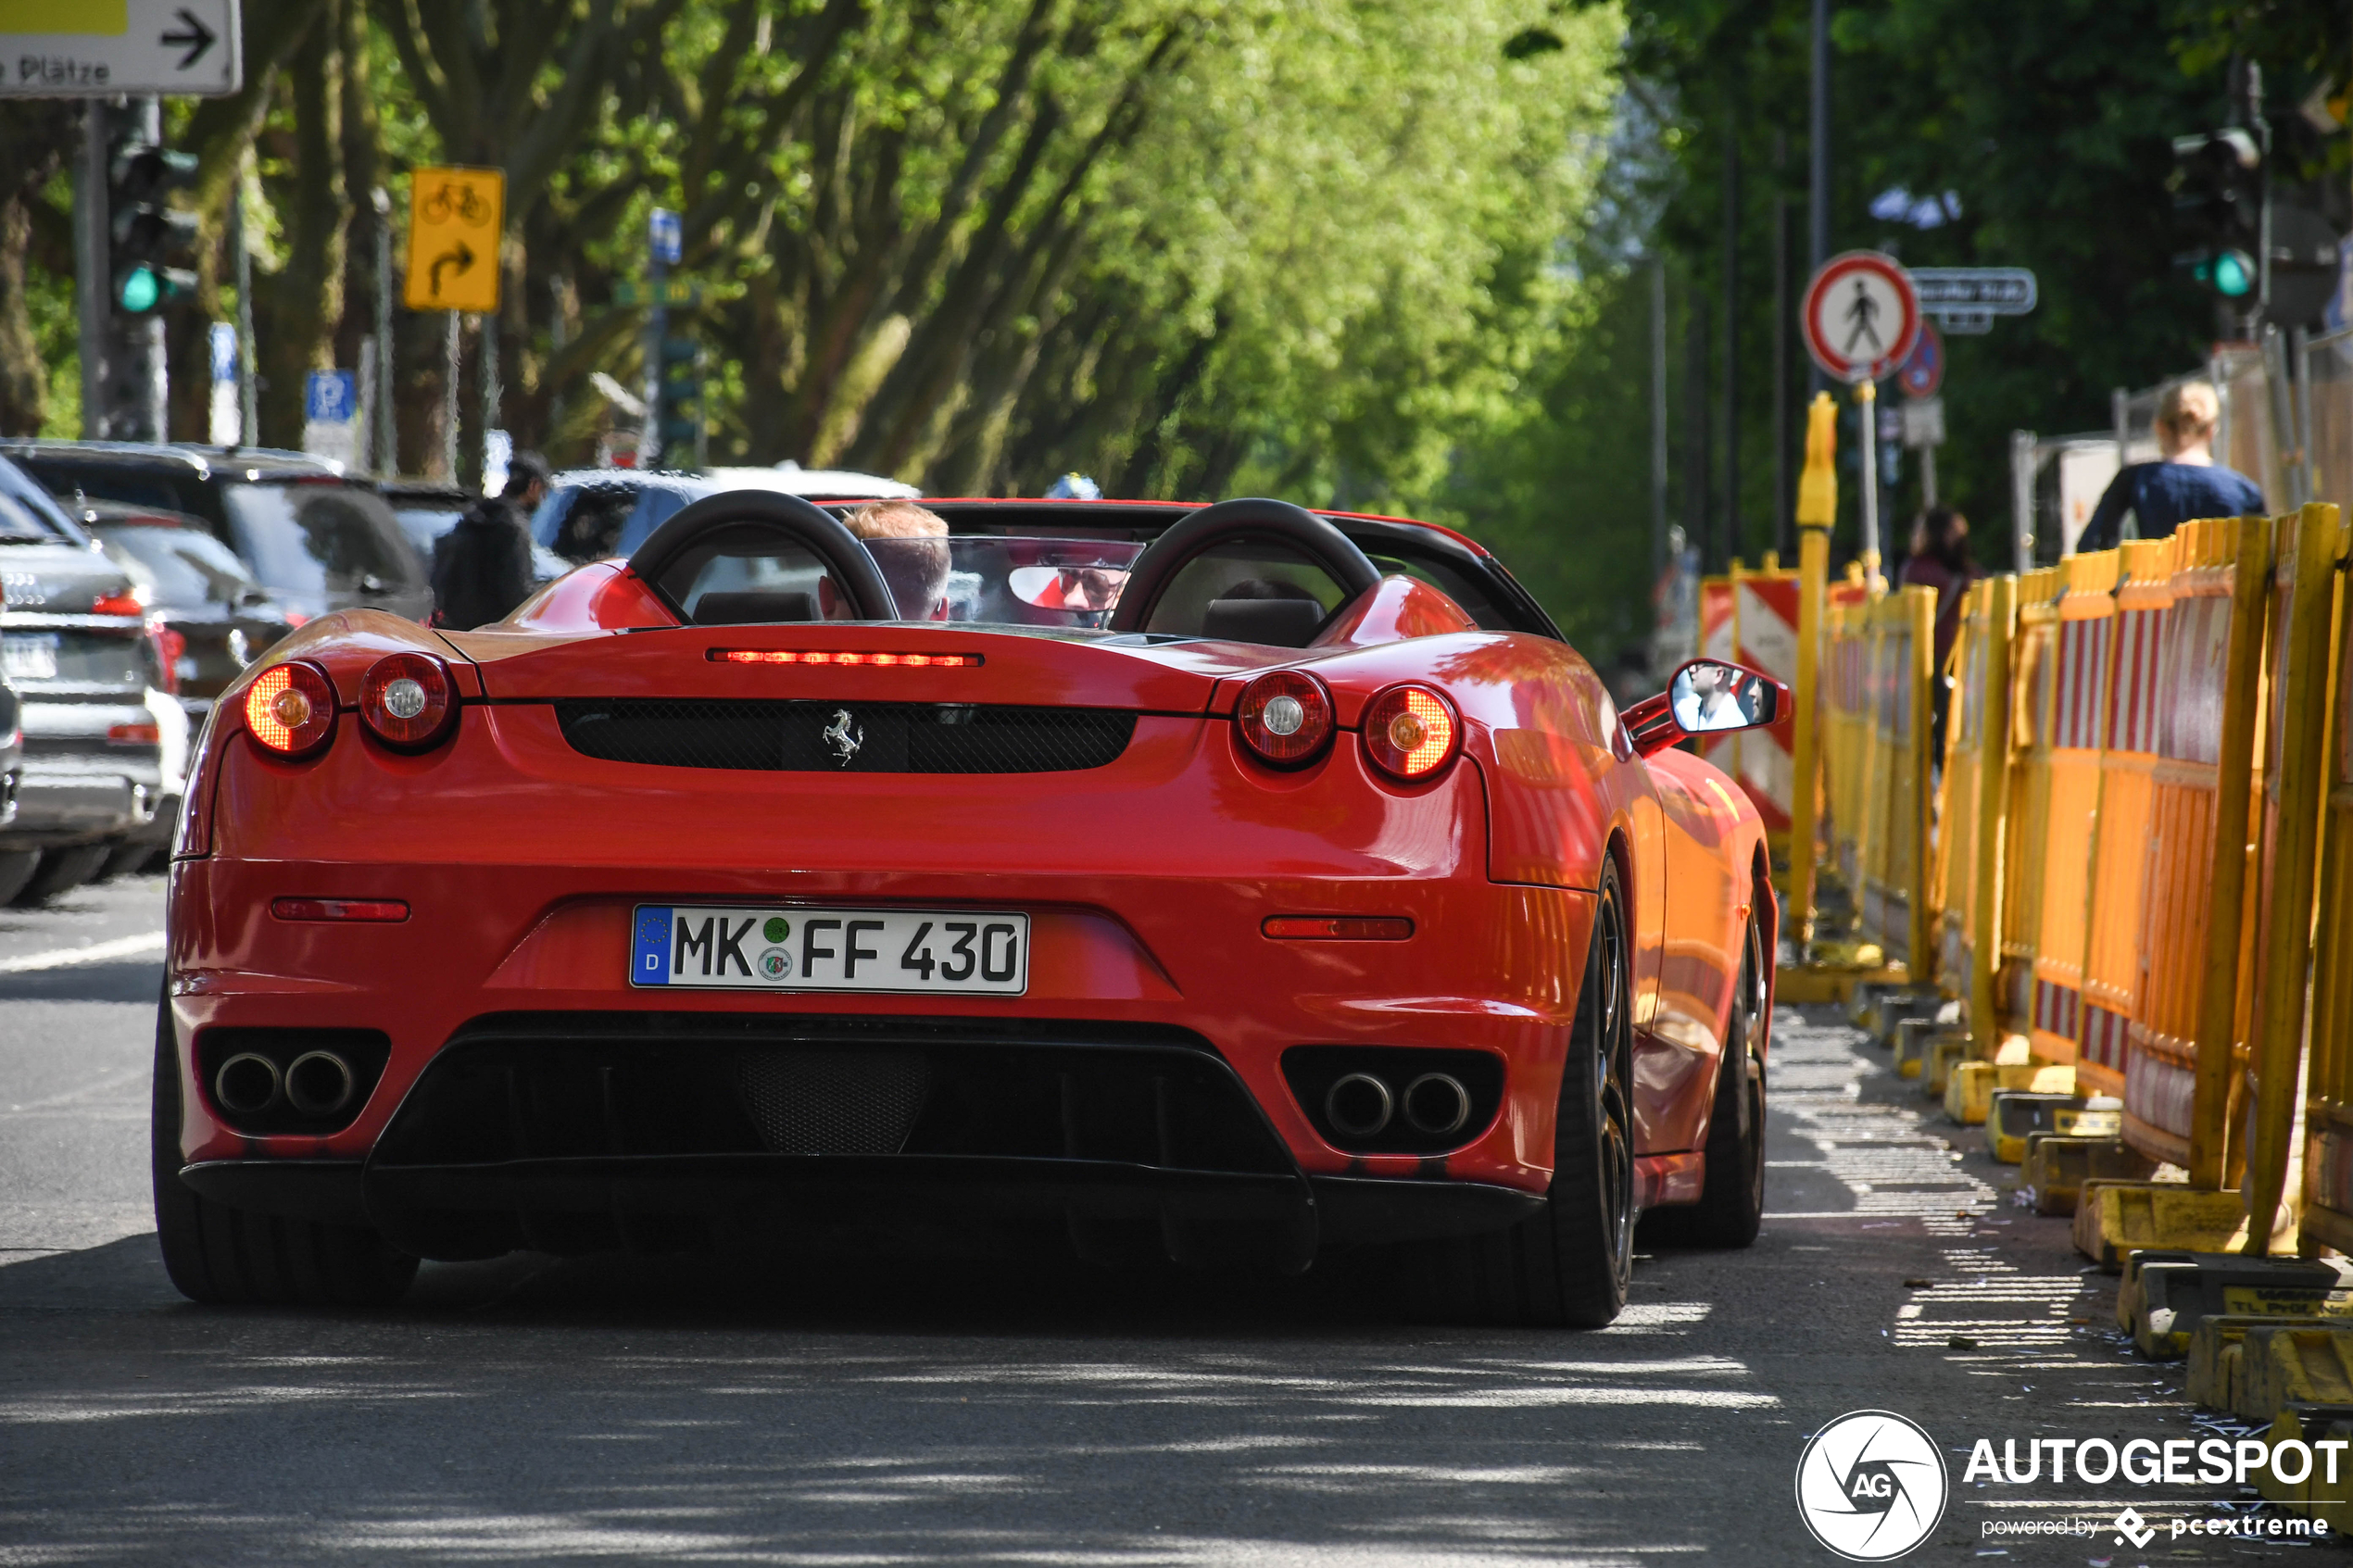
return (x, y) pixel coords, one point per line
(845, 556)
(1250, 517)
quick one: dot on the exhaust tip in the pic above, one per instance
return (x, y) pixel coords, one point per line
(1437, 1103)
(247, 1083)
(319, 1083)
(1359, 1105)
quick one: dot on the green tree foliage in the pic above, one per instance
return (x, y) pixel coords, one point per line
(1178, 244)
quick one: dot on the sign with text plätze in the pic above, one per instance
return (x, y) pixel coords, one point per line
(454, 219)
(96, 48)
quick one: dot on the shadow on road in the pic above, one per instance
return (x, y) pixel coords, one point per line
(86, 982)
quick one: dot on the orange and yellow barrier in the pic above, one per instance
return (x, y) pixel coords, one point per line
(1974, 795)
(2075, 695)
(2328, 1158)
(2191, 991)
(2033, 676)
(1895, 895)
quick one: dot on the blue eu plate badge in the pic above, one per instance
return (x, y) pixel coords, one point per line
(650, 966)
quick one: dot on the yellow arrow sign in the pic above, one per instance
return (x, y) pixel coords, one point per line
(454, 220)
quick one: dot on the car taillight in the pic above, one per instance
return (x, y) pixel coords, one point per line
(117, 604)
(147, 734)
(170, 649)
(1411, 732)
(290, 708)
(844, 656)
(1285, 717)
(408, 700)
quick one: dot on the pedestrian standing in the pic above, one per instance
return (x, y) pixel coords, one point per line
(2184, 482)
(482, 567)
(1941, 560)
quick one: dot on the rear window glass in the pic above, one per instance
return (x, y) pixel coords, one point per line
(585, 522)
(180, 491)
(321, 538)
(18, 525)
(187, 567)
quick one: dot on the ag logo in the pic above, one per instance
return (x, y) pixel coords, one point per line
(1870, 1486)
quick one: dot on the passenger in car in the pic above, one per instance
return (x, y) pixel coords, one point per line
(909, 544)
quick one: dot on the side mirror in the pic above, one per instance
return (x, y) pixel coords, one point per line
(1706, 696)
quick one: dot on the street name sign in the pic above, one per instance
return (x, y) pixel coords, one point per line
(97, 48)
(673, 291)
(1999, 291)
(1860, 317)
(455, 218)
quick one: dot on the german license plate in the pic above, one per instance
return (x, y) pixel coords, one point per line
(29, 656)
(745, 947)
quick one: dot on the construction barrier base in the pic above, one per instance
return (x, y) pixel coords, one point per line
(2218, 1358)
(2317, 1497)
(2057, 1166)
(2019, 1115)
(2117, 1219)
(1832, 981)
(2174, 1291)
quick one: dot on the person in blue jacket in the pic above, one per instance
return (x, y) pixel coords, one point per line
(2186, 482)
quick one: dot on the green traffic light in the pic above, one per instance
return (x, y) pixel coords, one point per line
(140, 290)
(2234, 275)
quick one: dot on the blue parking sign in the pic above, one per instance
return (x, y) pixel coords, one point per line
(332, 398)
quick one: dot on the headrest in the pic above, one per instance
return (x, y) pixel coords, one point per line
(1282, 624)
(755, 608)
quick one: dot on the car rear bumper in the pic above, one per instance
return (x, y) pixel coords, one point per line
(664, 1203)
(73, 800)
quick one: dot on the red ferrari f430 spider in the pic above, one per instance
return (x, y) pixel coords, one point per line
(1231, 882)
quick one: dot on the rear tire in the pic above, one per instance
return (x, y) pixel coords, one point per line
(60, 872)
(236, 1258)
(1731, 1204)
(1570, 1266)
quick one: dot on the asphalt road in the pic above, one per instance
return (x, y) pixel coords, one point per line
(619, 1410)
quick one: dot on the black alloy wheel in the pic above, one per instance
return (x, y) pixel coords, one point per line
(1570, 1265)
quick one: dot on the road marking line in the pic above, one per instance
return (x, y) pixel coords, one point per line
(96, 952)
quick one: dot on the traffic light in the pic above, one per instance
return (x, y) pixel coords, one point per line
(147, 235)
(2218, 192)
(681, 423)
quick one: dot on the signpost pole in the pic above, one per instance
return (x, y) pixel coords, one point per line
(248, 384)
(449, 372)
(1928, 474)
(387, 444)
(1866, 399)
(90, 265)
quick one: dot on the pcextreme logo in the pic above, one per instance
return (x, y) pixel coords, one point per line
(1872, 1485)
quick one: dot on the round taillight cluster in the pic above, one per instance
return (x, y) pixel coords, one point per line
(290, 708)
(1411, 732)
(1285, 717)
(408, 700)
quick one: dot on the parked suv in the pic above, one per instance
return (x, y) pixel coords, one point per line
(104, 747)
(592, 513)
(315, 540)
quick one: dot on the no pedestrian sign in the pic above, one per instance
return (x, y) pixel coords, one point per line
(455, 218)
(1861, 317)
(96, 48)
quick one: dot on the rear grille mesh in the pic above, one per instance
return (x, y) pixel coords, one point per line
(833, 1102)
(872, 737)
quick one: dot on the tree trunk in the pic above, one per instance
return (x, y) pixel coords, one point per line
(305, 302)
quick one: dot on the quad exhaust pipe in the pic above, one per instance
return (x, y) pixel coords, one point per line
(315, 1083)
(1361, 1106)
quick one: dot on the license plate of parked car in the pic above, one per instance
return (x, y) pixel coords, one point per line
(29, 656)
(793, 948)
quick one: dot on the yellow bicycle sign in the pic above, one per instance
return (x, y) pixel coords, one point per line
(454, 220)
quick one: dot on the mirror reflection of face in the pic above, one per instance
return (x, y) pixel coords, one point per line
(1707, 696)
(1082, 588)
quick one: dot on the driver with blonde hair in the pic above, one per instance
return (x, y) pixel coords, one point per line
(910, 544)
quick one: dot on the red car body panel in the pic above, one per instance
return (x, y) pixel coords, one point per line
(1147, 880)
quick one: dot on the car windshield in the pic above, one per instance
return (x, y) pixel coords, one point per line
(756, 577)
(187, 567)
(312, 538)
(421, 525)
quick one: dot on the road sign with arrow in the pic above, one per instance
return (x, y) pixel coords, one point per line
(455, 216)
(96, 48)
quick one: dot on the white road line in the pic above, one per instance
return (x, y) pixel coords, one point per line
(96, 952)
